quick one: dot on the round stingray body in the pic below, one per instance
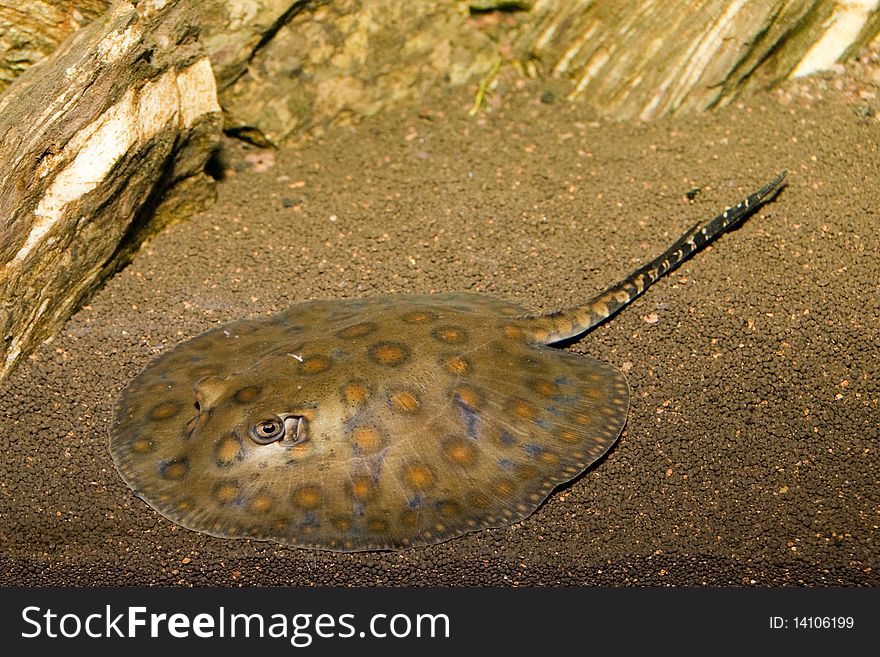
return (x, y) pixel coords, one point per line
(369, 424)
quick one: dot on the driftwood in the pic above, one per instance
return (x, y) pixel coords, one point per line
(294, 66)
(31, 29)
(122, 114)
(287, 66)
(638, 59)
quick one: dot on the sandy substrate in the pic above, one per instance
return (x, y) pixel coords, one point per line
(750, 455)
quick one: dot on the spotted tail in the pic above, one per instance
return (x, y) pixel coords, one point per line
(566, 324)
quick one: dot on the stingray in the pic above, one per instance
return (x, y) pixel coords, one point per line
(381, 423)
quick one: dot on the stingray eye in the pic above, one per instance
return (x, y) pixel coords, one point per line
(268, 431)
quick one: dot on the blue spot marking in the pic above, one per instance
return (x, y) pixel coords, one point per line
(553, 410)
(311, 520)
(541, 422)
(507, 438)
(532, 449)
(468, 416)
(164, 465)
(415, 502)
(567, 399)
(507, 464)
(354, 421)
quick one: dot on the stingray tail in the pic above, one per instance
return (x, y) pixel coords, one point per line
(567, 324)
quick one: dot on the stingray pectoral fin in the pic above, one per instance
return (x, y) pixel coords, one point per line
(523, 421)
(408, 422)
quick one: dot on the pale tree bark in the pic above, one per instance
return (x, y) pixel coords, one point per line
(645, 58)
(288, 66)
(124, 113)
(31, 29)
